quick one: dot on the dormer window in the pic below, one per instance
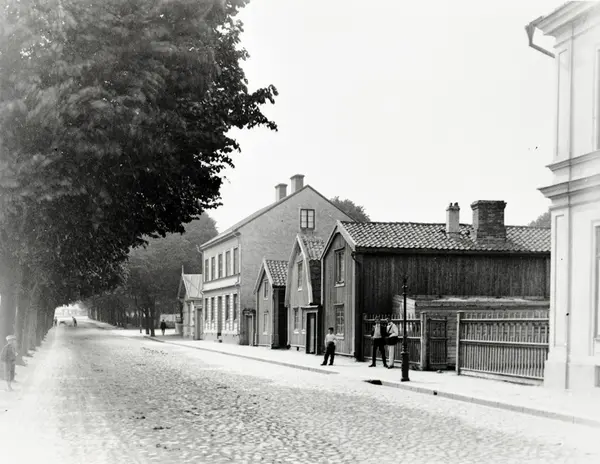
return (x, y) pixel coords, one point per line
(307, 218)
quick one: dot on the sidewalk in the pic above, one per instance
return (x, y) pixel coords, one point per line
(534, 400)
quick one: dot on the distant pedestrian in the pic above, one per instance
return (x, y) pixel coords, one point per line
(55, 321)
(9, 358)
(392, 340)
(74, 322)
(163, 327)
(378, 335)
(330, 342)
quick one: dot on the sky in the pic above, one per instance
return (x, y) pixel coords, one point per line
(401, 107)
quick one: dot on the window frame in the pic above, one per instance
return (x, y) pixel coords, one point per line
(300, 272)
(295, 319)
(236, 260)
(212, 268)
(337, 308)
(305, 222)
(265, 322)
(235, 304)
(228, 263)
(227, 303)
(220, 265)
(340, 267)
(265, 291)
(206, 271)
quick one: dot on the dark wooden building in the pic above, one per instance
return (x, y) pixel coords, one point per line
(364, 264)
(303, 295)
(270, 324)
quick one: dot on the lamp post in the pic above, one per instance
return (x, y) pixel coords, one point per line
(404, 354)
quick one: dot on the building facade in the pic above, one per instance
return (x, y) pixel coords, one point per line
(190, 297)
(303, 295)
(233, 258)
(271, 317)
(574, 356)
(363, 265)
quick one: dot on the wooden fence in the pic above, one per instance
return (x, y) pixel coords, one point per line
(427, 340)
(511, 344)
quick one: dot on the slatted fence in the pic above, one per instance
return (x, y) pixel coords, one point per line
(512, 344)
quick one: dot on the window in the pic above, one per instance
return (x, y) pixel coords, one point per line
(307, 218)
(300, 274)
(265, 289)
(226, 307)
(236, 260)
(213, 274)
(339, 319)
(206, 276)
(265, 322)
(340, 267)
(219, 308)
(212, 309)
(295, 318)
(206, 308)
(235, 306)
(227, 263)
(220, 265)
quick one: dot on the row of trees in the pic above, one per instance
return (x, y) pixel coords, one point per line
(115, 120)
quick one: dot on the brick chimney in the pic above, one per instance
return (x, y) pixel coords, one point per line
(452, 219)
(297, 182)
(488, 220)
(280, 191)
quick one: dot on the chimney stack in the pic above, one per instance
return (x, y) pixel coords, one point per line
(297, 182)
(452, 219)
(280, 191)
(488, 220)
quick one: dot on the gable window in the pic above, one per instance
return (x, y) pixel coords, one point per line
(295, 318)
(340, 267)
(235, 306)
(227, 263)
(213, 274)
(307, 218)
(226, 307)
(339, 319)
(206, 276)
(265, 322)
(265, 289)
(220, 265)
(300, 274)
(236, 260)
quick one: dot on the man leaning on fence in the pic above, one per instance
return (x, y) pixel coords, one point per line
(379, 334)
(392, 330)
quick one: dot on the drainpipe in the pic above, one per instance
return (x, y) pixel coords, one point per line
(530, 29)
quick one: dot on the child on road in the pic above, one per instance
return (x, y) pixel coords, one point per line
(8, 358)
(330, 342)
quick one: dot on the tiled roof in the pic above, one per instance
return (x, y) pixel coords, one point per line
(408, 235)
(278, 271)
(314, 246)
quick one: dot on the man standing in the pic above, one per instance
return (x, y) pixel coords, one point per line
(163, 326)
(330, 342)
(9, 358)
(392, 330)
(378, 336)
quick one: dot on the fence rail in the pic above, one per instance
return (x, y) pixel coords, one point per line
(509, 343)
(426, 337)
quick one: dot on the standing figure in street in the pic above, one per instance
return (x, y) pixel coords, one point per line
(330, 342)
(74, 321)
(163, 326)
(392, 330)
(9, 358)
(378, 335)
(55, 321)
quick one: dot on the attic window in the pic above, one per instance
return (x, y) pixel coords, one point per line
(307, 218)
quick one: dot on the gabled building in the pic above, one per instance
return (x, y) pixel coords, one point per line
(304, 316)
(189, 295)
(233, 258)
(574, 355)
(364, 265)
(271, 316)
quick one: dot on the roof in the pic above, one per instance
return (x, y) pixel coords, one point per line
(276, 272)
(419, 236)
(563, 14)
(193, 285)
(313, 246)
(231, 230)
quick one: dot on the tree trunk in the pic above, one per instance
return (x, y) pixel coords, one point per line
(152, 317)
(7, 310)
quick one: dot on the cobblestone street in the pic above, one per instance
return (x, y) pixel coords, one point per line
(92, 396)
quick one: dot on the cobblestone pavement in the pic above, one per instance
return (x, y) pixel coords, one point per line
(95, 397)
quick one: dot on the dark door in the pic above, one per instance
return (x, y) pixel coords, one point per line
(311, 333)
(283, 320)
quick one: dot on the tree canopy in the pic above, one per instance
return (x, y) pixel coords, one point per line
(115, 118)
(542, 220)
(353, 210)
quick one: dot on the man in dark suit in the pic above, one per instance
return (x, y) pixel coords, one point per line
(378, 335)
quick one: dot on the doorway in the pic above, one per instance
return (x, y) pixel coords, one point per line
(249, 329)
(311, 333)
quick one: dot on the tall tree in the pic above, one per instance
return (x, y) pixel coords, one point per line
(542, 220)
(353, 210)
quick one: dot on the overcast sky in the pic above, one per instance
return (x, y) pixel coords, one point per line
(400, 106)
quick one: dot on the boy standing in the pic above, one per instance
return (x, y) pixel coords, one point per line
(8, 358)
(330, 342)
